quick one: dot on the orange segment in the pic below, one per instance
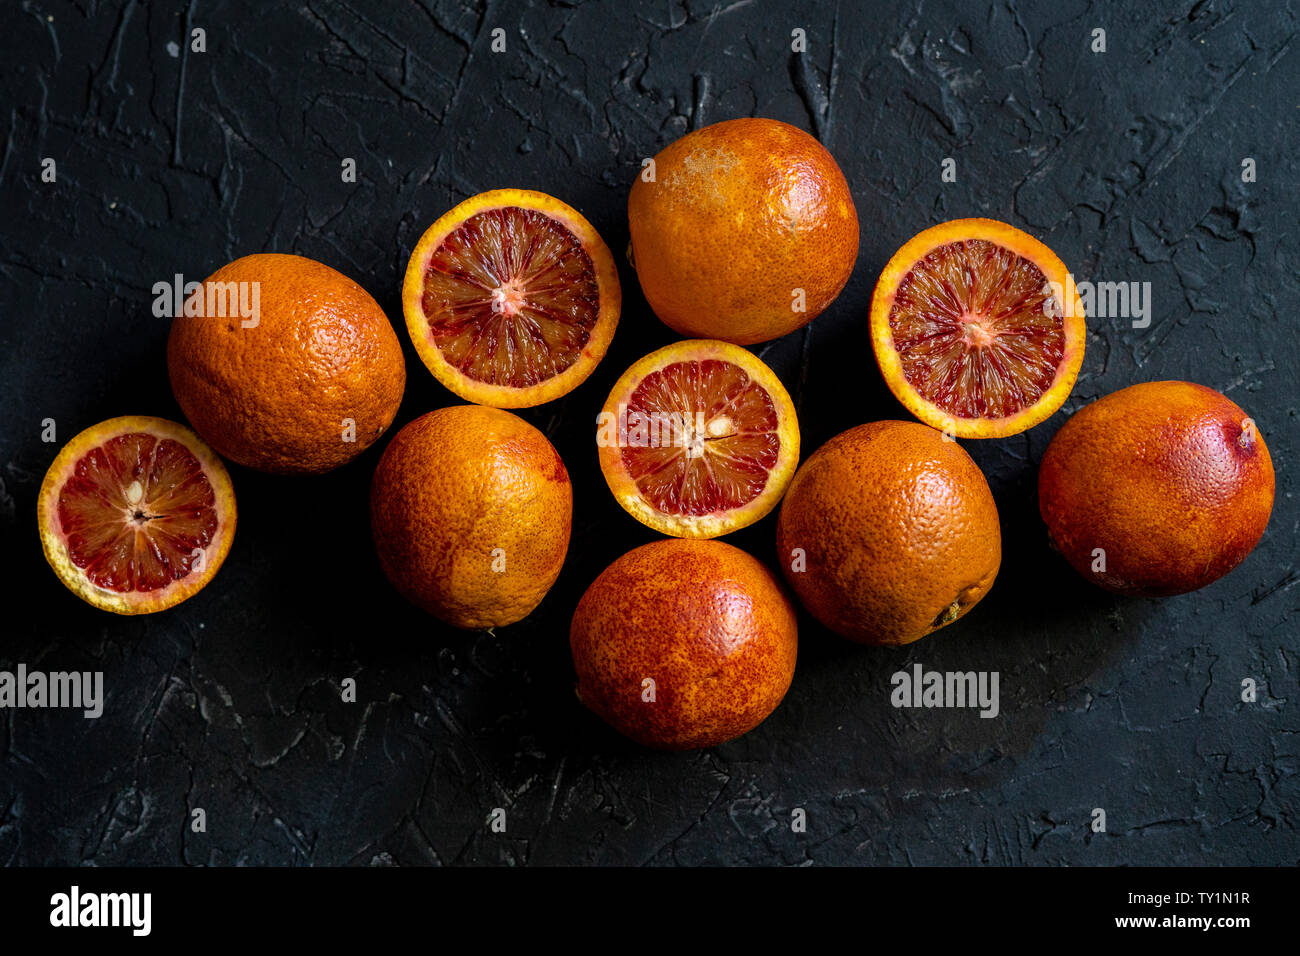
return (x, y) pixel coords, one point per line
(698, 439)
(970, 329)
(136, 514)
(725, 463)
(511, 298)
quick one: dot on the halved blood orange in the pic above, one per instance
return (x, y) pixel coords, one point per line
(977, 328)
(698, 439)
(136, 514)
(511, 298)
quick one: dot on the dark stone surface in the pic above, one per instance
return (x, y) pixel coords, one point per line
(1127, 163)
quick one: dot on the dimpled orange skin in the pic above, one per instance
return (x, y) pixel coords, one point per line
(708, 623)
(471, 509)
(740, 215)
(898, 530)
(276, 396)
(1171, 480)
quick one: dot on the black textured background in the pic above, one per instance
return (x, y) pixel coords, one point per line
(1127, 163)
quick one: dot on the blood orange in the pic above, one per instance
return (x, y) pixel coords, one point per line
(684, 644)
(698, 439)
(889, 533)
(303, 385)
(974, 329)
(511, 298)
(1157, 489)
(136, 514)
(471, 509)
(744, 231)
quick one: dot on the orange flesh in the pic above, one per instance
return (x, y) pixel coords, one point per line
(133, 512)
(971, 330)
(701, 438)
(511, 297)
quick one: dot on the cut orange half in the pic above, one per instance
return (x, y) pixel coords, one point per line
(698, 439)
(977, 328)
(511, 298)
(136, 514)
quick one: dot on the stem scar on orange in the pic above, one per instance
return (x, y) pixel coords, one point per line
(698, 439)
(136, 514)
(511, 298)
(977, 328)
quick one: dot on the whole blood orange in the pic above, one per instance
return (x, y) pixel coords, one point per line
(889, 532)
(136, 514)
(1156, 489)
(977, 328)
(683, 644)
(698, 439)
(742, 231)
(471, 509)
(511, 298)
(302, 386)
